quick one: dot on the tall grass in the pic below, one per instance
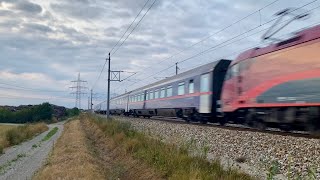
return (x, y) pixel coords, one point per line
(18, 134)
(172, 161)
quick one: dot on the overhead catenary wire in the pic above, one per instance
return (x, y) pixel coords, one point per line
(135, 26)
(211, 48)
(130, 25)
(241, 50)
(216, 46)
(219, 31)
(126, 37)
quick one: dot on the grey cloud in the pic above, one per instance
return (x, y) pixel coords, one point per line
(28, 7)
(34, 28)
(78, 9)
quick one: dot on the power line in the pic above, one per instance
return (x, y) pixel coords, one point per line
(126, 37)
(95, 83)
(217, 46)
(26, 88)
(130, 25)
(135, 27)
(221, 30)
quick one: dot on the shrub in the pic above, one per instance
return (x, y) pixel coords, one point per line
(22, 133)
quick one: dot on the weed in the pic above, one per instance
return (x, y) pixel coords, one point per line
(312, 174)
(50, 134)
(34, 146)
(273, 170)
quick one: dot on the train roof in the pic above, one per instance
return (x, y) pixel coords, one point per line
(187, 74)
(301, 37)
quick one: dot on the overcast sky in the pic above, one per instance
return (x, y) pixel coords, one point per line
(45, 44)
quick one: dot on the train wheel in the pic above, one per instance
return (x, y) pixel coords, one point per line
(250, 118)
(222, 121)
(259, 124)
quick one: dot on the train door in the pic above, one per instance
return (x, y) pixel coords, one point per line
(205, 95)
(230, 88)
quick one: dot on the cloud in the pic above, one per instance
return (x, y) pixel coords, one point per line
(28, 7)
(46, 43)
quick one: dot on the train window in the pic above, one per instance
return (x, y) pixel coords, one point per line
(156, 94)
(204, 83)
(228, 75)
(181, 88)
(151, 95)
(162, 93)
(235, 70)
(169, 91)
(191, 86)
(147, 95)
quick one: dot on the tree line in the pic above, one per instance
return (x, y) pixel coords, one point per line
(37, 113)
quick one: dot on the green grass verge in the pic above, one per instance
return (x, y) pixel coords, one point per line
(50, 134)
(172, 161)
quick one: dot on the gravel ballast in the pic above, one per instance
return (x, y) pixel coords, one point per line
(252, 152)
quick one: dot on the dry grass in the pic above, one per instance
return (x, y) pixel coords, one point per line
(117, 163)
(173, 162)
(13, 135)
(3, 141)
(71, 157)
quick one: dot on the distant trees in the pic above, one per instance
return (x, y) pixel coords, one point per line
(42, 112)
(73, 112)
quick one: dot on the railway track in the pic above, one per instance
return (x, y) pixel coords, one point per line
(237, 127)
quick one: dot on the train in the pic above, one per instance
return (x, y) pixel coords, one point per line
(273, 86)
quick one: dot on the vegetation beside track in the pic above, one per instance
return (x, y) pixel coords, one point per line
(71, 157)
(173, 162)
(13, 135)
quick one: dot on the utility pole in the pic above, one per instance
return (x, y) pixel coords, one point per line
(91, 101)
(112, 76)
(177, 68)
(108, 100)
(79, 90)
(88, 103)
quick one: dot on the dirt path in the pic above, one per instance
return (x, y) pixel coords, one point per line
(21, 161)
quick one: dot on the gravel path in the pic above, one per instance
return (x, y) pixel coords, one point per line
(22, 161)
(252, 152)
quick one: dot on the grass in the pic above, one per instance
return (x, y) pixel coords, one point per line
(71, 157)
(50, 134)
(14, 135)
(172, 161)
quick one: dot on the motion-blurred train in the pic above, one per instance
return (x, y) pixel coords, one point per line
(274, 86)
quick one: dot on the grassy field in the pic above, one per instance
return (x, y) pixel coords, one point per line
(71, 157)
(171, 161)
(13, 135)
(3, 141)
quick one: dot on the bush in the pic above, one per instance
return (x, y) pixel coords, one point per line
(73, 112)
(22, 133)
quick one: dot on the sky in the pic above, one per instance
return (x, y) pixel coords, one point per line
(46, 44)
